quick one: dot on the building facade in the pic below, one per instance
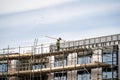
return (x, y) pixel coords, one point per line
(89, 59)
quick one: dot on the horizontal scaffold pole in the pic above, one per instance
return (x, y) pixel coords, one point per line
(28, 55)
(56, 69)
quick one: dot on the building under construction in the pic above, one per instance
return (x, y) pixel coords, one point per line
(89, 59)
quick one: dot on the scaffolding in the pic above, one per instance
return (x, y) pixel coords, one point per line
(39, 61)
(23, 63)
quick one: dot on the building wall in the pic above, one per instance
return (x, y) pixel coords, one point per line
(96, 74)
(96, 44)
(72, 75)
(51, 76)
(119, 63)
(72, 60)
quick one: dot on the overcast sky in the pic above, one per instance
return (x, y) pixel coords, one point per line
(21, 21)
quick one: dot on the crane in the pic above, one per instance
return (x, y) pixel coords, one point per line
(54, 38)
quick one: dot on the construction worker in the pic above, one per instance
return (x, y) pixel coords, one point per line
(58, 44)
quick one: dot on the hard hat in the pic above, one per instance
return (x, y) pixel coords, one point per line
(60, 38)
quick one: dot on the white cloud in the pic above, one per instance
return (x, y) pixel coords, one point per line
(78, 11)
(11, 6)
(54, 15)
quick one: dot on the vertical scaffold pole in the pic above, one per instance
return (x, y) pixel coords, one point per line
(33, 59)
(71, 60)
(18, 64)
(8, 65)
(30, 65)
(63, 57)
(3, 66)
(41, 62)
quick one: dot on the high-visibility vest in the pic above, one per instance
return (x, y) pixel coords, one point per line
(57, 42)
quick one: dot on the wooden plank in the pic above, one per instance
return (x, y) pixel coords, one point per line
(28, 55)
(56, 69)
